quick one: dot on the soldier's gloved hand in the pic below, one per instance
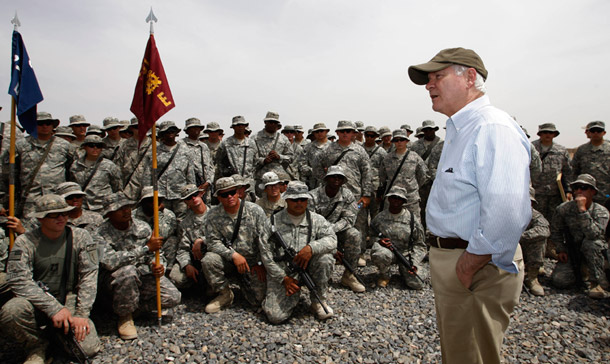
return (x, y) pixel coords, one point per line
(291, 285)
(385, 242)
(196, 249)
(303, 256)
(80, 327)
(62, 319)
(155, 243)
(241, 263)
(15, 224)
(562, 257)
(157, 270)
(260, 271)
(191, 272)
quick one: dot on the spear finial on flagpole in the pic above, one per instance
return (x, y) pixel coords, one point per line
(151, 18)
(17, 23)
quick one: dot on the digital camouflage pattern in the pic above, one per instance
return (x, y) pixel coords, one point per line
(191, 229)
(270, 207)
(356, 166)
(434, 158)
(310, 163)
(555, 160)
(596, 162)
(106, 180)
(128, 154)
(201, 160)
(423, 148)
(265, 143)
(533, 241)
(236, 157)
(168, 230)
(88, 220)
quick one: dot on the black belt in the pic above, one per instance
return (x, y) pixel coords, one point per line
(447, 243)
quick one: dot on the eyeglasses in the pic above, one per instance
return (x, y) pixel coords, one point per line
(344, 131)
(302, 199)
(399, 140)
(98, 146)
(72, 197)
(370, 135)
(547, 132)
(191, 197)
(55, 215)
(227, 193)
(596, 130)
(581, 187)
(45, 122)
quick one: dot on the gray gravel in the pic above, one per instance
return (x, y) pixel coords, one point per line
(390, 325)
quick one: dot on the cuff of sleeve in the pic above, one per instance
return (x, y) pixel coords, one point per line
(229, 255)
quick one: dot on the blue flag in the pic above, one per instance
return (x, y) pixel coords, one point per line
(24, 86)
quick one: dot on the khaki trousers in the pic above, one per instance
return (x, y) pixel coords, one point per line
(472, 322)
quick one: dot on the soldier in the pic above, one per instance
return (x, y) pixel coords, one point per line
(66, 133)
(79, 125)
(41, 162)
(215, 134)
(96, 175)
(594, 158)
(272, 201)
(187, 268)
(419, 133)
(385, 134)
(535, 161)
(130, 155)
(310, 161)
(113, 139)
(578, 232)
(128, 265)
(42, 259)
(399, 226)
(168, 224)
(533, 241)
(95, 130)
(359, 136)
(237, 153)
(299, 136)
(124, 131)
(424, 146)
(201, 160)
(174, 169)
(233, 232)
(292, 169)
(408, 129)
(338, 206)
(313, 238)
(78, 217)
(410, 174)
(243, 188)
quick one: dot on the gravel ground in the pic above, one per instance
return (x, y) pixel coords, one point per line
(389, 325)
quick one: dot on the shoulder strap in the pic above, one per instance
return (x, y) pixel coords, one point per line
(171, 158)
(543, 155)
(238, 222)
(397, 171)
(67, 267)
(374, 151)
(97, 165)
(140, 157)
(243, 164)
(309, 225)
(340, 157)
(277, 136)
(412, 225)
(331, 210)
(26, 191)
(427, 152)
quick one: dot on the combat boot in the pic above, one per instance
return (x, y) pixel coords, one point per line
(597, 292)
(361, 261)
(37, 353)
(224, 299)
(127, 329)
(383, 281)
(317, 309)
(349, 280)
(531, 282)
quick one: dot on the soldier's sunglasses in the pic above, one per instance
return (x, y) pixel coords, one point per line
(98, 146)
(303, 199)
(55, 215)
(227, 193)
(191, 197)
(72, 197)
(581, 187)
(45, 122)
(366, 135)
(596, 130)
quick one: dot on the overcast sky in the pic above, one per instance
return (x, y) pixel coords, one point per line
(316, 60)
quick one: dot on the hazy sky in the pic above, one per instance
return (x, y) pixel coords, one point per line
(316, 60)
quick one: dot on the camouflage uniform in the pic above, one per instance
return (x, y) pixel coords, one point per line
(535, 163)
(588, 232)
(434, 158)
(217, 263)
(397, 227)
(310, 163)
(212, 147)
(596, 162)
(112, 148)
(270, 207)
(128, 155)
(533, 242)
(167, 230)
(106, 180)
(36, 258)
(413, 174)
(191, 229)
(265, 143)
(28, 153)
(376, 155)
(556, 160)
(340, 211)
(126, 273)
(277, 305)
(201, 161)
(230, 158)
(88, 220)
(424, 148)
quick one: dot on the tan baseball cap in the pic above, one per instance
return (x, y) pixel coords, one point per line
(444, 59)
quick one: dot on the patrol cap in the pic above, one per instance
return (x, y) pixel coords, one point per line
(44, 116)
(296, 190)
(445, 58)
(272, 116)
(397, 191)
(49, 204)
(111, 122)
(238, 120)
(76, 120)
(64, 131)
(596, 124)
(428, 124)
(115, 201)
(225, 183)
(359, 126)
(148, 192)
(319, 126)
(399, 134)
(371, 129)
(585, 179)
(269, 179)
(407, 127)
(345, 125)
(188, 191)
(66, 189)
(94, 130)
(192, 123)
(335, 171)
(167, 125)
(384, 131)
(550, 127)
(93, 139)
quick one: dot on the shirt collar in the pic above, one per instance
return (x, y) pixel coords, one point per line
(463, 116)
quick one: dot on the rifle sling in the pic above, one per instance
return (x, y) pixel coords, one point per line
(397, 171)
(171, 158)
(26, 191)
(97, 165)
(340, 157)
(237, 223)
(67, 267)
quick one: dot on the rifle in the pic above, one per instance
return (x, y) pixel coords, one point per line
(67, 341)
(289, 254)
(407, 263)
(347, 265)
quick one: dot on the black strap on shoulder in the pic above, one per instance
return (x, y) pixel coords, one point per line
(67, 267)
(397, 171)
(238, 222)
(412, 225)
(140, 157)
(331, 210)
(26, 191)
(97, 165)
(340, 157)
(169, 161)
(427, 152)
(243, 164)
(374, 151)
(543, 155)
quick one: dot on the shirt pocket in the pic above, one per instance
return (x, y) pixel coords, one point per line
(445, 186)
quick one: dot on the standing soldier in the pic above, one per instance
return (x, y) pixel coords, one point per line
(424, 146)
(130, 154)
(233, 232)
(52, 271)
(385, 134)
(310, 161)
(594, 158)
(215, 134)
(314, 240)
(128, 265)
(79, 126)
(113, 139)
(96, 175)
(237, 153)
(274, 151)
(201, 159)
(299, 137)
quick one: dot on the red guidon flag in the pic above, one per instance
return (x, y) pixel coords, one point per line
(152, 98)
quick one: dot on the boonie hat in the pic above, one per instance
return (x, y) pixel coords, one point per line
(295, 190)
(345, 125)
(548, 127)
(192, 122)
(445, 58)
(43, 115)
(225, 183)
(189, 190)
(94, 130)
(115, 201)
(49, 204)
(397, 191)
(93, 139)
(272, 116)
(359, 126)
(148, 192)
(371, 129)
(384, 131)
(64, 131)
(407, 127)
(111, 122)
(399, 134)
(335, 171)
(586, 179)
(78, 120)
(212, 126)
(319, 126)
(596, 124)
(428, 124)
(166, 126)
(238, 120)
(66, 189)
(269, 179)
